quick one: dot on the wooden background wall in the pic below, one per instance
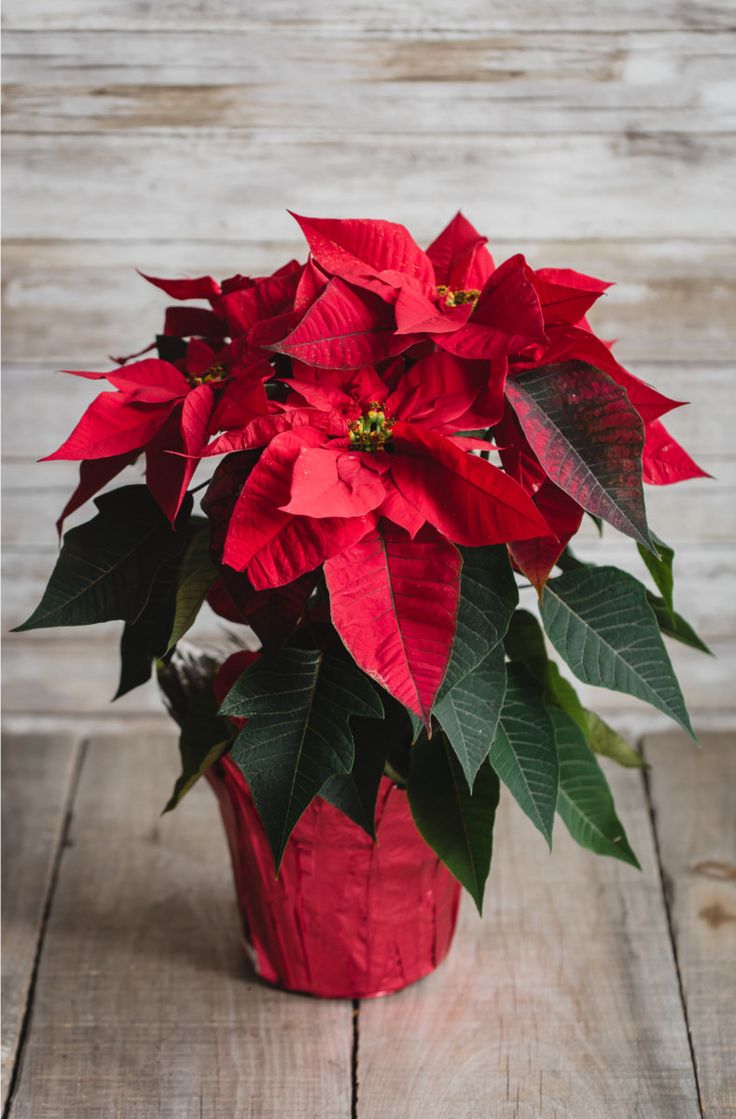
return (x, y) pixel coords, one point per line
(171, 135)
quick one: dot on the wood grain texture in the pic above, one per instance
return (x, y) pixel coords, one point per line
(56, 183)
(122, 81)
(143, 1005)
(38, 777)
(694, 803)
(562, 1001)
(323, 21)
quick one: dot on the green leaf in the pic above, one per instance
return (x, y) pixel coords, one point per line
(585, 803)
(525, 643)
(604, 740)
(196, 575)
(599, 620)
(204, 738)
(488, 598)
(470, 711)
(457, 824)
(523, 753)
(674, 625)
(146, 639)
(298, 705)
(659, 567)
(355, 793)
(107, 566)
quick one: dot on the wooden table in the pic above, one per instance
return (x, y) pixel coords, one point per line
(588, 990)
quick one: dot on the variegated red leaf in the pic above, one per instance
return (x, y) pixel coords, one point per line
(588, 438)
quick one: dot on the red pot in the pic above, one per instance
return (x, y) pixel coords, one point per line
(346, 918)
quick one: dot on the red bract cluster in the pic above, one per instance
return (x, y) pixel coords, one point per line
(359, 400)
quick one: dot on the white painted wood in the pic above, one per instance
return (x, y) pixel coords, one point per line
(323, 21)
(638, 185)
(92, 81)
(143, 1004)
(562, 1001)
(37, 782)
(694, 802)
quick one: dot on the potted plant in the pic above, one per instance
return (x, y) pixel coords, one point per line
(400, 441)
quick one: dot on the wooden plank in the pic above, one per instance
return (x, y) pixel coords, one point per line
(264, 56)
(641, 185)
(673, 299)
(143, 1004)
(91, 81)
(323, 20)
(563, 1000)
(38, 776)
(694, 802)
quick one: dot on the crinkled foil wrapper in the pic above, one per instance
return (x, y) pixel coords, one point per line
(346, 918)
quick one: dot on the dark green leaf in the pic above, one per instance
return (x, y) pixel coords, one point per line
(660, 568)
(170, 348)
(469, 713)
(523, 753)
(147, 639)
(674, 625)
(355, 793)
(196, 575)
(298, 706)
(204, 737)
(107, 566)
(585, 802)
(601, 738)
(525, 643)
(488, 597)
(600, 622)
(457, 824)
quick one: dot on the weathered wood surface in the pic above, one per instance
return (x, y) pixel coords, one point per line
(324, 21)
(38, 780)
(57, 182)
(694, 803)
(125, 80)
(564, 1000)
(143, 1005)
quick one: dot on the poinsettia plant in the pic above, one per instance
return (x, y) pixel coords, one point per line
(400, 441)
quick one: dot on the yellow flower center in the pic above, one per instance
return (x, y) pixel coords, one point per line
(457, 298)
(213, 375)
(372, 430)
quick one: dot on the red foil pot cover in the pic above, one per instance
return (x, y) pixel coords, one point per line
(347, 917)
